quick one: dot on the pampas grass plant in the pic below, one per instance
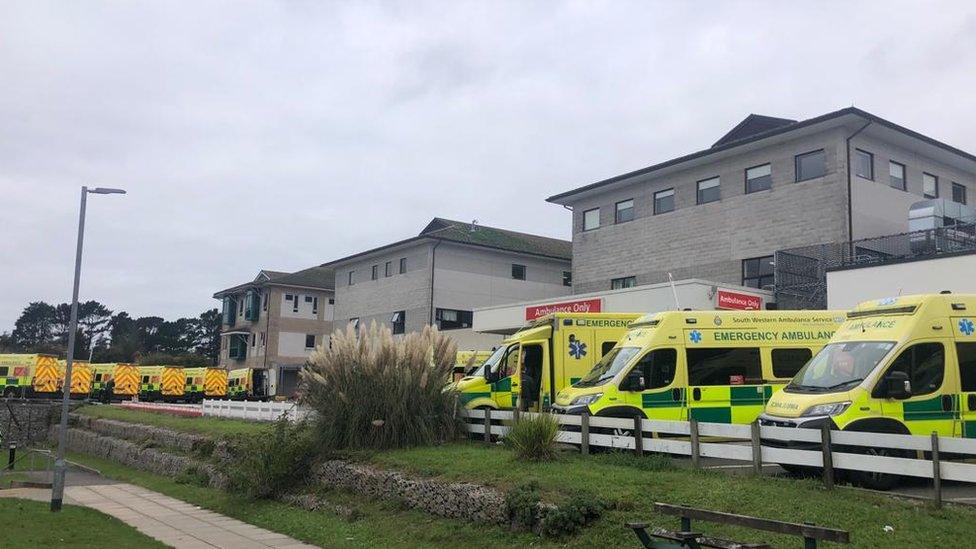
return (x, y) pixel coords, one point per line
(372, 391)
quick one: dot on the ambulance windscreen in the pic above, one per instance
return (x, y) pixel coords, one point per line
(839, 366)
(608, 367)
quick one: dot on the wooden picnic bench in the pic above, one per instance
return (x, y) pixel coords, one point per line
(690, 539)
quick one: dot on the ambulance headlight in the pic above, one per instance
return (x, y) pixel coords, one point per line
(831, 409)
(586, 399)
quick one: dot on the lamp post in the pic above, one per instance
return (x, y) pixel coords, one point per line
(57, 486)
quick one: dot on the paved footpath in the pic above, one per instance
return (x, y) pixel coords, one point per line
(169, 520)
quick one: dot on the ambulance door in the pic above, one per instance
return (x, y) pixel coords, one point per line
(535, 383)
(725, 384)
(966, 355)
(575, 355)
(932, 405)
(654, 385)
(504, 390)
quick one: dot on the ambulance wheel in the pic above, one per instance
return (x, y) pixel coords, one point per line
(873, 479)
(9, 392)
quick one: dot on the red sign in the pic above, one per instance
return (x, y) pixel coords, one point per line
(737, 380)
(582, 306)
(734, 300)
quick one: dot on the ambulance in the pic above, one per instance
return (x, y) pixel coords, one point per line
(247, 384)
(468, 361)
(81, 377)
(205, 382)
(552, 352)
(904, 365)
(17, 372)
(161, 383)
(711, 366)
(124, 378)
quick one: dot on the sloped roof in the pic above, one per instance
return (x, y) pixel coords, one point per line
(754, 124)
(480, 235)
(313, 277)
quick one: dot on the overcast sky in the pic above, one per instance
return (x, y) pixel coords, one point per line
(282, 135)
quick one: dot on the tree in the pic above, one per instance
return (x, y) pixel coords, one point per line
(94, 319)
(7, 343)
(209, 342)
(35, 326)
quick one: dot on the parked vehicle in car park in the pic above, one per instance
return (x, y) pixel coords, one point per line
(204, 382)
(466, 362)
(247, 384)
(552, 352)
(903, 365)
(711, 366)
(18, 373)
(123, 379)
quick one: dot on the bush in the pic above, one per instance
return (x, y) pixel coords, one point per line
(371, 391)
(569, 518)
(522, 506)
(194, 477)
(533, 438)
(270, 465)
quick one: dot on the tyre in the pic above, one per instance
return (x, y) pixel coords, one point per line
(873, 479)
(9, 392)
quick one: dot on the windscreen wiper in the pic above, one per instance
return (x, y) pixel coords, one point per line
(848, 382)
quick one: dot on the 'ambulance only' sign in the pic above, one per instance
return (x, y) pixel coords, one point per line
(581, 306)
(735, 300)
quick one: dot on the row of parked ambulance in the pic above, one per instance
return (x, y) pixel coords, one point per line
(897, 365)
(42, 376)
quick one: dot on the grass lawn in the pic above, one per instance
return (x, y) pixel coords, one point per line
(213, 426)
(379, 524)
(631, 486)
(29, 523)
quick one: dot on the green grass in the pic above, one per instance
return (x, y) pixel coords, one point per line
(631, 487)
(213, 426)
(29, 523)
(381, 524)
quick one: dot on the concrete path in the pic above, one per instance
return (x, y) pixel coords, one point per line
(169, 520)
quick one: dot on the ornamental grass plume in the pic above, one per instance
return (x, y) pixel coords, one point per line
(372, 391)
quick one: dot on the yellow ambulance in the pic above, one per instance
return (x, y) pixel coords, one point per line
(17, 372)
(123, 377)
(205, 382)
(552, 352)
(247, 384)
(711, 366)
(161, 383)
(897, 365)
(81, 377)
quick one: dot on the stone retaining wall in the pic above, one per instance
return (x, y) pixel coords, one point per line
(136, 456)
(25, 422)
(465, 501)
(157, 436)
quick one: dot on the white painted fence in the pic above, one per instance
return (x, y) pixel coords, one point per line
(827, 450)
(254, 411)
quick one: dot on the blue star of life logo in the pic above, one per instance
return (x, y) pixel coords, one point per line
(695, 336)
(966, 327)
(577, 349)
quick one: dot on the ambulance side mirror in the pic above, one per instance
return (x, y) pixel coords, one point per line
(897, 385)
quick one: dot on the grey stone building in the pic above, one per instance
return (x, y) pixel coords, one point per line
(276, 319)
(439, 276)
(768, 184)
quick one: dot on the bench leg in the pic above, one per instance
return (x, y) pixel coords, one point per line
(809, 543)
(644, 538)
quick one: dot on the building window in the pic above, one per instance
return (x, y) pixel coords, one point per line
(896, 175)
(452, 319)
(399, 321)
(567, 278)
(930, 185)
(759, 178)
(309, 341)
(352, 277)
(254, 341)
(375, 272)
(264, 301)
(315, 305)
(625, 211)
(863, 164)
(264, 338)
(403, 265)
(709, 190)
(958, 193)
(294, 307)
(591, 219)
(810, 165)
(625, 282)
(518, 271)
(757, 272)
(331, 301)
(354, 321)
(664, 201)
(388, 269)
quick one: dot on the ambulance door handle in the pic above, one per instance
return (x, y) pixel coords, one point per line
(676, 395)
(946, 403)
(972, 402)
(696, 394)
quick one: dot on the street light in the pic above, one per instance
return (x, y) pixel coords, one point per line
(57, 486)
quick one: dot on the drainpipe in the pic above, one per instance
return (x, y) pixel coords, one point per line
(433, 262)
(850, 205)
(267, 330)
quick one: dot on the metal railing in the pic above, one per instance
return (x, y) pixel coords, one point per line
(801, 273)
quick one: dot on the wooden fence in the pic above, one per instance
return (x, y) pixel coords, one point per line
(255, 411)
(827, 450)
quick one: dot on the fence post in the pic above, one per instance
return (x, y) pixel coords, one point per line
(585, 434)
(515, 415)
(695, 449)
(756, 449)
(12, 456)
(638, 436)
(488, 425)
(828, 457)
(936, 471)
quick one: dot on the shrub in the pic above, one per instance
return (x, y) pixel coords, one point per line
(270, 465)
(569, 518)
(533, 438)
(194, 477)
(371, 391)
(522, 506)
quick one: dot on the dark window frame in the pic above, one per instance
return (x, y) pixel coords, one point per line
(518, 271)
(935, 179)
(870, 155)
(624, 282)
(307, 346)
(904, 175)
(597, 210)
(568, 279)
(399, 322)
(352, 277)
(463, 319)
(959, 187)
(698, 190)
(403, 265)
(761, 260)
(374, 273)
(796, 165)
(617, 211)
(388, 269)
(660, 211)
(745, 175)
